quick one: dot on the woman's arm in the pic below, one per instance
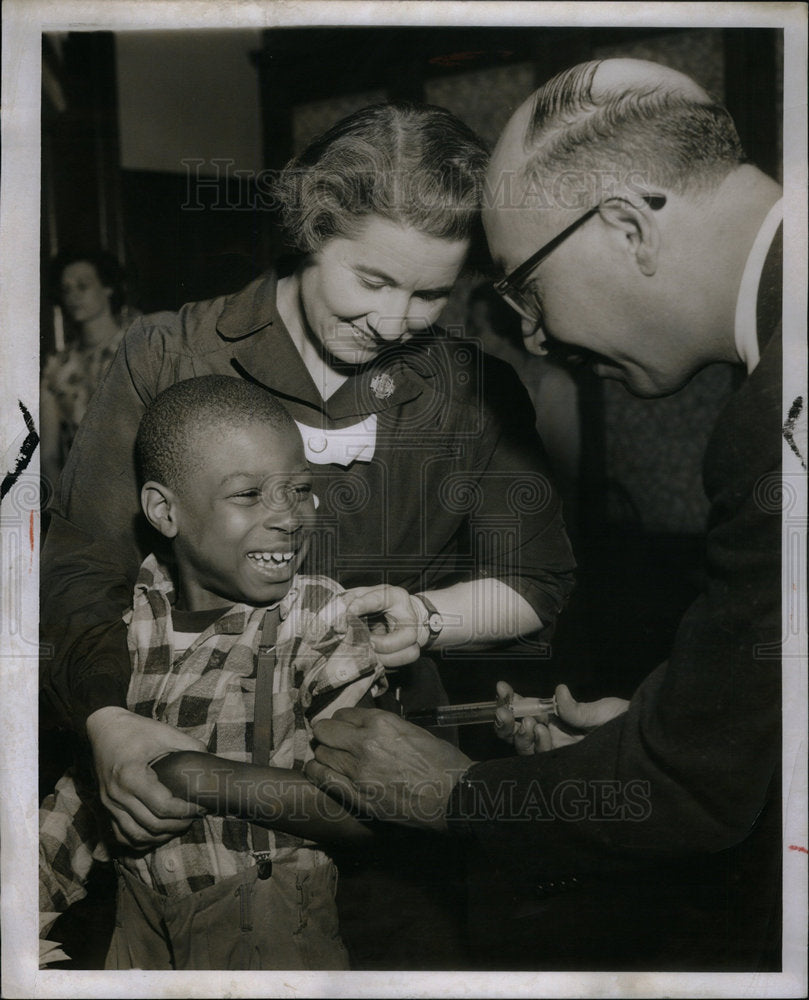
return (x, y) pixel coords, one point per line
(524, 564)
(275, 797)
(475, 615)
(89, 564)
(91, 555)
(142, 812)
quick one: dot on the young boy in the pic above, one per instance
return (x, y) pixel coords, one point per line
(237, 650)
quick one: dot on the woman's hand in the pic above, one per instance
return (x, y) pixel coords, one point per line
(575, 719)
(476, 614)
(396, 622)
(144, 812)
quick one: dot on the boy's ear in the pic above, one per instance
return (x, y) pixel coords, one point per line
(160, 505)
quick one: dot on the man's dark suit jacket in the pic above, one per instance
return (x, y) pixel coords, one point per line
(654, 843)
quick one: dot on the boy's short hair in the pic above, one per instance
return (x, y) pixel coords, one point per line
(178, 420)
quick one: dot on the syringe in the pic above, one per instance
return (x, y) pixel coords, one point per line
(481, 711)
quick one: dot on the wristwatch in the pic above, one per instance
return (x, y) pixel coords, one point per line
(434, 623)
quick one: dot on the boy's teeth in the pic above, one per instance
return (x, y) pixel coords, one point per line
(275, 557)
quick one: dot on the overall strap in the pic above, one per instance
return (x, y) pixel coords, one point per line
(262, 716)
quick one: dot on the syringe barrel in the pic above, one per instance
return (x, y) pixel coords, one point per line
(466, 715)
(478, 712)
(486, 711)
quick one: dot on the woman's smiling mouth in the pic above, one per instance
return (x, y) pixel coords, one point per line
(362, 338)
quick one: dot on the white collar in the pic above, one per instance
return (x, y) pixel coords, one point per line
(324, 446)
(745, 330)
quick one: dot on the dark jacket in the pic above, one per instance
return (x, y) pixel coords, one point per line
(657, 838)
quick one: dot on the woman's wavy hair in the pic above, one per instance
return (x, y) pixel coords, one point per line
(107, 267)
(414, 164)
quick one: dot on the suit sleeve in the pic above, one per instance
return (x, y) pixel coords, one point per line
(91, 554)
(688, 767)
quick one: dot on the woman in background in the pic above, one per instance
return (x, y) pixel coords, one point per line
(90, 290)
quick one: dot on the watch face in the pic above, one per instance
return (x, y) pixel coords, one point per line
(435, 623)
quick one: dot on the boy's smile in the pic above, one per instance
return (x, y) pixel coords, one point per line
(243, 516)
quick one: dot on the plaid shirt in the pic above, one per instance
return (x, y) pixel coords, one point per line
(323, 656)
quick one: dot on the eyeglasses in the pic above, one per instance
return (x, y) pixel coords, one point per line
(521, 296)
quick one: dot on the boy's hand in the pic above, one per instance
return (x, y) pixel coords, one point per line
(574, 721)
(144, 813)
(395, 632)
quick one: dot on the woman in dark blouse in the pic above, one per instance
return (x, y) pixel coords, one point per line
(426, 462)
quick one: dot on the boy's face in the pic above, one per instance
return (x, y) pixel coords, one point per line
(243, 517)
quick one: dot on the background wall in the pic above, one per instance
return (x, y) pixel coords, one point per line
(188, 94)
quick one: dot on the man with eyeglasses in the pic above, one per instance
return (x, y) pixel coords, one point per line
(633, 236)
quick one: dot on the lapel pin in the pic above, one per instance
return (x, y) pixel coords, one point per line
(382, 386)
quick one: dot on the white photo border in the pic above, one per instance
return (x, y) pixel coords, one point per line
(24, 21)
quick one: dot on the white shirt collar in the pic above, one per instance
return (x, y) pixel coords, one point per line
(343, 446)
(745, 325)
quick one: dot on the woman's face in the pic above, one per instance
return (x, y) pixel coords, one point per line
(84, 297)
(364, 293)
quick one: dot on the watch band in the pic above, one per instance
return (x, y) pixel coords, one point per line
(434, 623)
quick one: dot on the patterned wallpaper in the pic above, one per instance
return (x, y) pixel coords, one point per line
(655, 449)
(309, 120)
(698, 53)
(484, 99)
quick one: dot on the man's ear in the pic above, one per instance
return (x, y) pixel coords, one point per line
(160, 506)
(640, 229)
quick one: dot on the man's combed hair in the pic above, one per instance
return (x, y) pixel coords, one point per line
(656, 135)
(173, 430)
(416, 165)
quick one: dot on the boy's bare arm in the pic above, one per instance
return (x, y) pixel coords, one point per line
(276, 797)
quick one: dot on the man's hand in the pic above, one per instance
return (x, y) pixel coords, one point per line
(395, 632)
(388, 768)
(574, 721)
(144, 812)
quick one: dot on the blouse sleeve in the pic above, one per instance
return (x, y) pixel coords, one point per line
(91, 555)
